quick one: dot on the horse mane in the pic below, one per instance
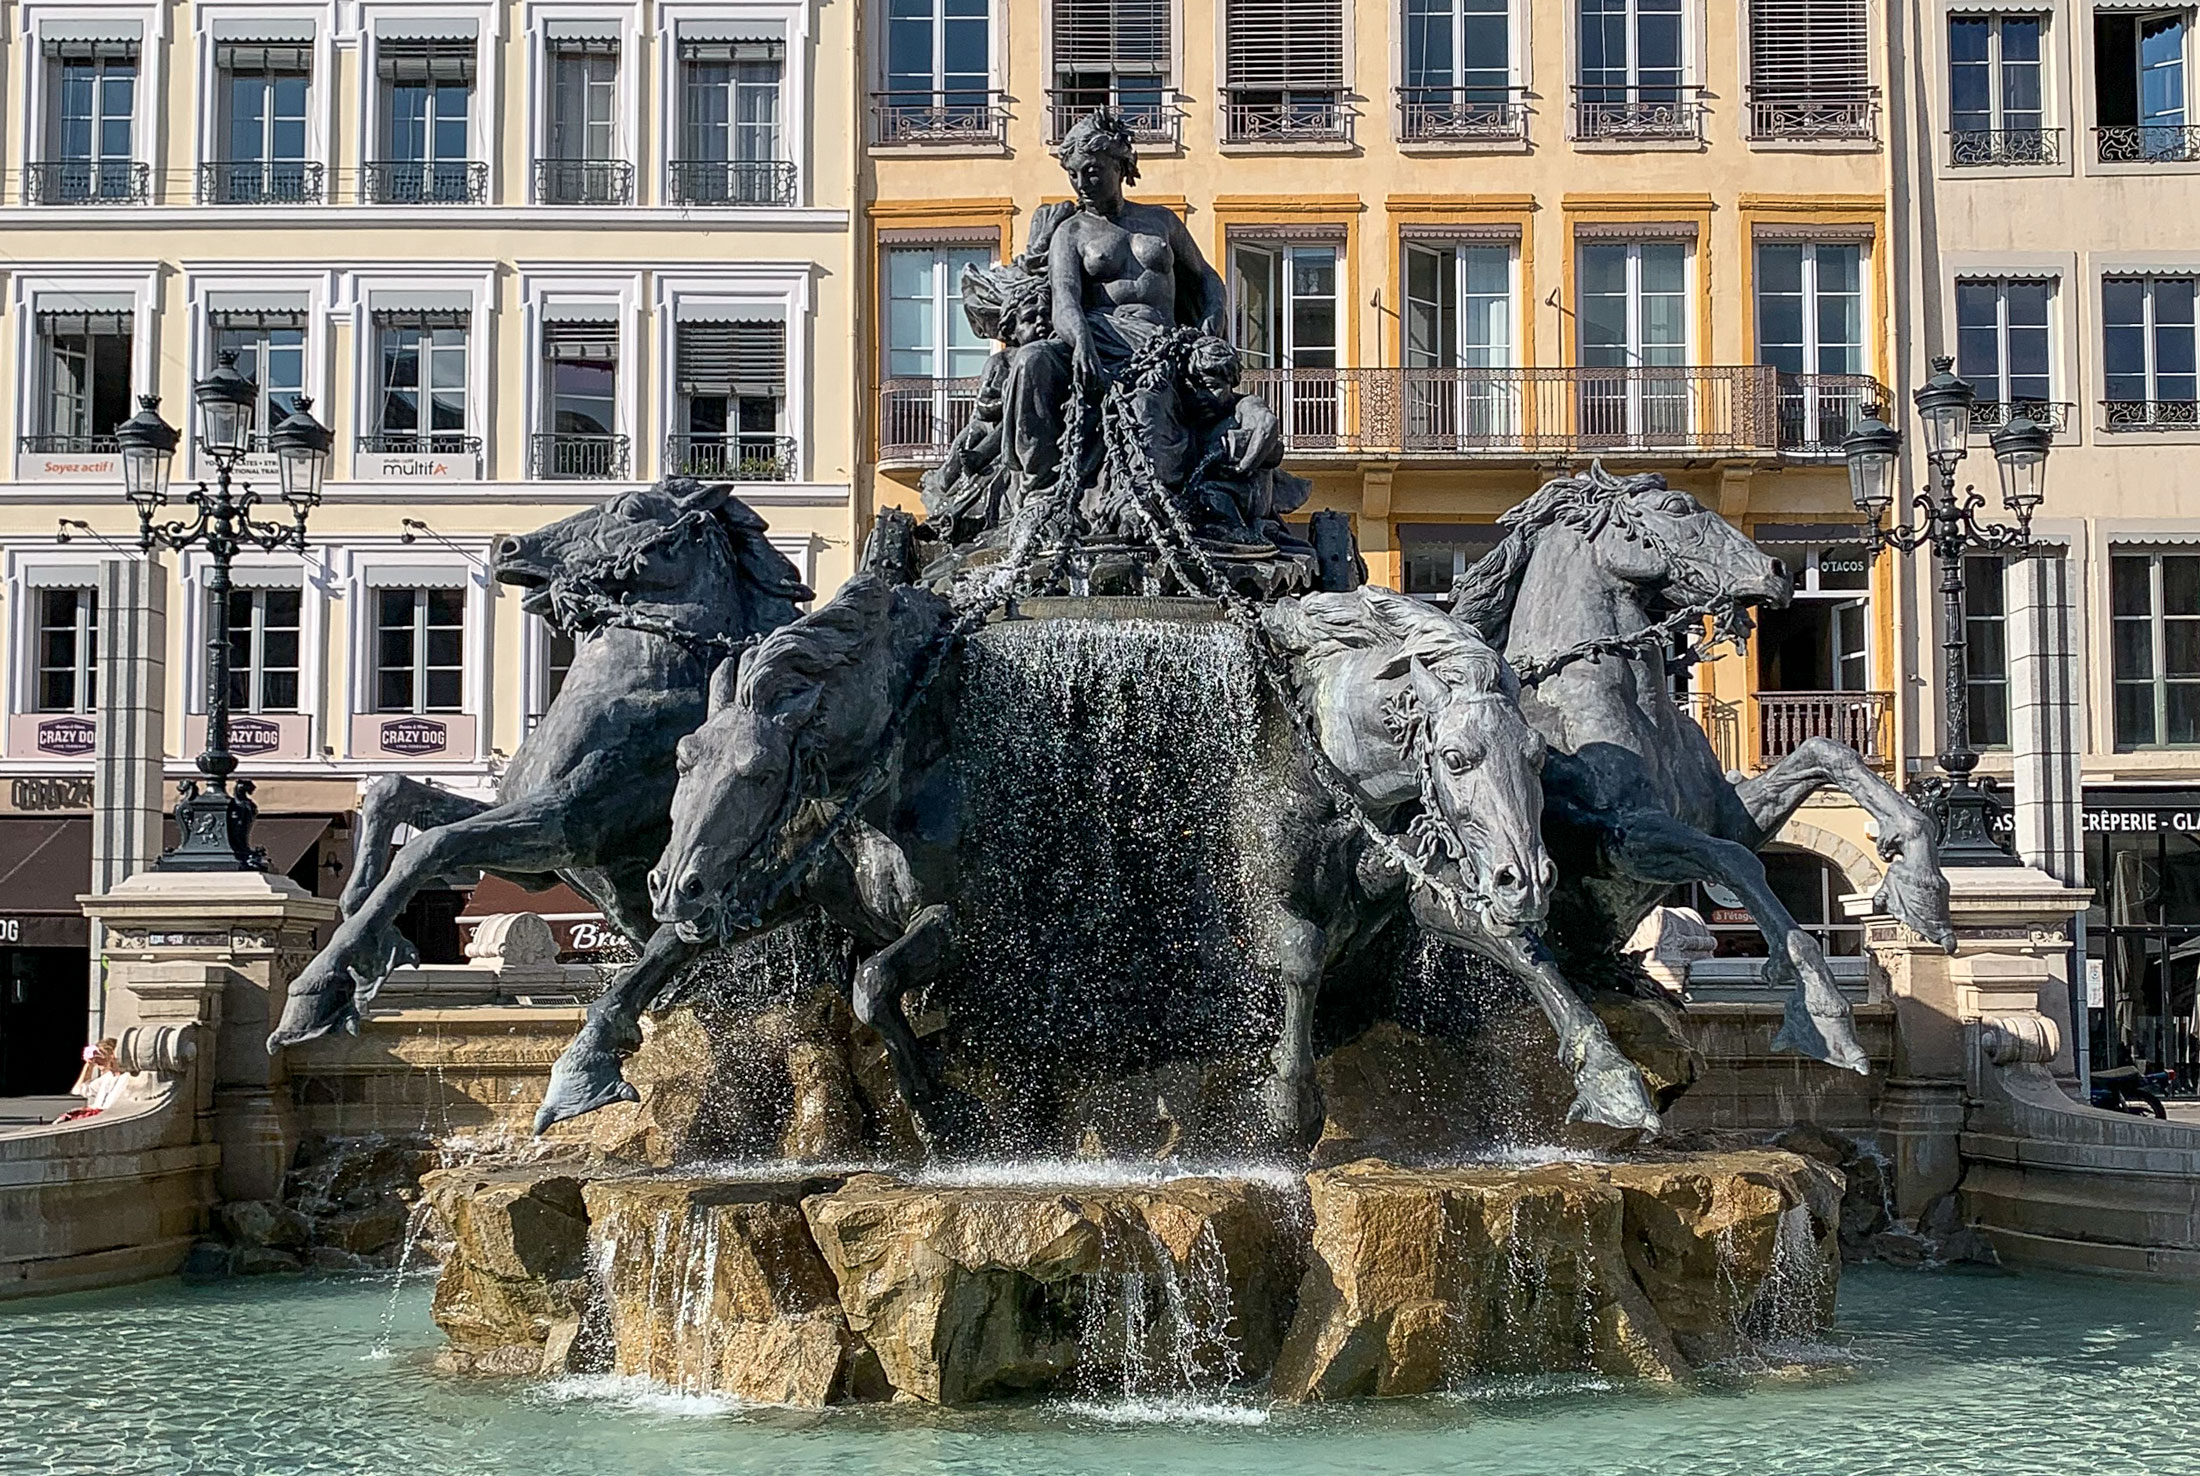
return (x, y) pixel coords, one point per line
(1372, 618)
(1484, 596)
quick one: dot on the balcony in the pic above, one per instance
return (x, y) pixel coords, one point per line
(940, 117)
(731, 457)
(1650, 114)
(919, 418)
(1721, 723)
(417, 182)
(418, 443)
(731, 181)
(87, 182)
(584, 182)
(262, 182)
(1454, 115)
(1151, 122)
(1988, 416)
(1972, 147)
(1859, 720)
(2147, 143)
(1312, 115)
(1786, 119)
(1817, 411)
(2150, 415)
(55, 445)
(569, 456)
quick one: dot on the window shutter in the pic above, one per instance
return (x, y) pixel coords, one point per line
(738, 358)
(1809, 50)
(581, 38)
(1275, 44)
(285, 57)
(261, 318)
(733, 51)
(425, 59)
(86, 49)
(598, 342)
(421, 317)
(98, 324)
(1126, 36)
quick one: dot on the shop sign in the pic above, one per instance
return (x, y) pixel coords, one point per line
(250, 735)
(2141, 822)
(393, 466)
(46, 796)
(414, 737)
(68, 736)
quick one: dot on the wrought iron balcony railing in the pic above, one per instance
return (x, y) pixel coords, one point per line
(1860, 720)
(68, 445)
(584, 182)
(418, 443)
(263, 182)
(2150, 415)
(415, 182)
(1817, 411)
(1151, 122)
(731, 456)
(731, 181)
(974, 117)
(1626, 114)
(1992, 415)
(1788, 118)
(2147, 143)
(1973, 147)
(1721, 723)
(87, 182)
(569, 456)
(1462, 114)
(919, 418)
(1286, 116)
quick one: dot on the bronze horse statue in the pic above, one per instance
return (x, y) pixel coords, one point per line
(660, 586)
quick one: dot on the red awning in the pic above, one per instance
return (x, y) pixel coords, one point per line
(579, 927)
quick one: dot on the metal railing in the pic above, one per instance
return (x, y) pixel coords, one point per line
(584, 182)
(2147, 143)
(1992, 415)
(1462, 114)
(733, 456)
(731, 181)
(1801, 119)
(1150, 122)
(566, 455)
(66, 445)
(1286, 116)
(1970, 147)
(919, 418)
(2150, 415)
(87, 182)
(1721, 723)
(418, 443)
(1627, 114)
(419, 182)
(263, 182)
(1817, 411)
(1859, 720)
(972, 117)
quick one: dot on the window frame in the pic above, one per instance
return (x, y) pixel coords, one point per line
(419, 669)
(254, 669)
(2045, 135)
(45, 351)
(2158, 680)
(83, 667)
(2001, 282)
(2149, 328)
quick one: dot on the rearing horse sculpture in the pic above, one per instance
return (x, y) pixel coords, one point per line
(1590, 568)
(661, 585)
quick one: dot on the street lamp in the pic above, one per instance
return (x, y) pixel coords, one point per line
(1951, 529)
(216, 822)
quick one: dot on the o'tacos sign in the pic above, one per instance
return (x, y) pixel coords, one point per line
(414, 736)
(68, 736)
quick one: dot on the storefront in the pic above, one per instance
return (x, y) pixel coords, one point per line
(2142, 860)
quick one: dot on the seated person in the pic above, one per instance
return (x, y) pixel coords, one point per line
(99, 1083)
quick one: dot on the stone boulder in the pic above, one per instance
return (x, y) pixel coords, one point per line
(716, 1287)
(1421, 1276)
(969, 1293)
(516, 1263)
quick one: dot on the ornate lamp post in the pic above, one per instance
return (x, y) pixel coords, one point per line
(1949, 526)
(217, 821)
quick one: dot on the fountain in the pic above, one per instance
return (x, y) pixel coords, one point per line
(1107, 950)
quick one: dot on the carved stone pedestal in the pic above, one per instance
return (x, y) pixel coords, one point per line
(244, 935)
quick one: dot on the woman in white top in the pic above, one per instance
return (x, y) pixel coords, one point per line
(99, 1083)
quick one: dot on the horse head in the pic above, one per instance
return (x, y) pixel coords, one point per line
(682, 557)
(1670, 546)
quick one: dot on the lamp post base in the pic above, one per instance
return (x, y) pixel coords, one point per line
(215, 830)
(1965, 810)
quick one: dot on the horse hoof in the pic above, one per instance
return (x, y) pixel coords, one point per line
(582, 1081)
(311, 1012)
(1828, 1038)
(1610, 1093)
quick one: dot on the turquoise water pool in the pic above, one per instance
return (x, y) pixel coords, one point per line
(1924, 1375)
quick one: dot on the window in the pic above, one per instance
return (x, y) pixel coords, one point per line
(84, 365)
(1634, 328)
(421, 358)
(2154, 608)
(2139, 88)
(583, 166)
(1458, 329)
(68, 650)
(2002, 349)
(1820, 642)
(91, 89)
(1810, 72)
(1808, 886)
(730, 127)
(1432, 555)
(263, 95)
(1810, 327)
(1634, 72)
(427, 102)
(1996, 96)
(270, 345)
(1986, 641)
(558, 649)
(731, 382)
(2147, 352)
(1458, 71)
(933, 356)
(939, 72)
(581, 393)
(1284, 72)
(1114, 54)
(1284, 300)
(263, 650)
(420, 650)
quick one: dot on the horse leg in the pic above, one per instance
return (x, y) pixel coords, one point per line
(387, 803)
(1289, 1096)
(1658, 848)
(529, 836)
(586, 1075)
(1913, 889)
(925, 947)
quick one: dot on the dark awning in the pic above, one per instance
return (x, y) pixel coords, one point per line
(45, 864)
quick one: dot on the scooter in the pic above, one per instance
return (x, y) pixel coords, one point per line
(2123, 1088)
